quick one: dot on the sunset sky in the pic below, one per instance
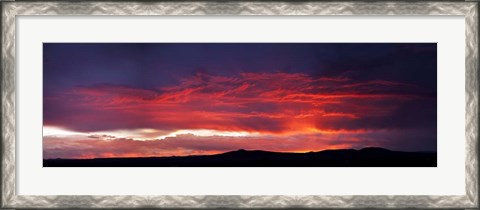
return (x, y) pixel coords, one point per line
(139, 99)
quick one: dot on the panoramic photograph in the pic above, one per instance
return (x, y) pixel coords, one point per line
(239, 105)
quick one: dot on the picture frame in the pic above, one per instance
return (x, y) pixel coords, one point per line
(12, 10)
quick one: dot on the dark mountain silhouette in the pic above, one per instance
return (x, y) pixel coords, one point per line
(366, 157)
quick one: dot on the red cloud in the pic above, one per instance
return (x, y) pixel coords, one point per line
(260, 102)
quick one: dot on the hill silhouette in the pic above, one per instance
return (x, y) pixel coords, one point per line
(366, 157)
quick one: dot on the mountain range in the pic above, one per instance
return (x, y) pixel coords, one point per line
(366, 157)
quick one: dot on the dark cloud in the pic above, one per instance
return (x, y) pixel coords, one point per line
(266, 88)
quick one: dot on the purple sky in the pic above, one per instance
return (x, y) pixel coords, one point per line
(154, 99)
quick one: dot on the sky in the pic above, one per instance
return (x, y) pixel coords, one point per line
(176, 99)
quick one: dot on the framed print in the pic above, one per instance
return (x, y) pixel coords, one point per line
(239, 104)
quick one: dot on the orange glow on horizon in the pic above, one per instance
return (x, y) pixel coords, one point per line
(207, 114)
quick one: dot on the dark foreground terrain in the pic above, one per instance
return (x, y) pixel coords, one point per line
(367, 157)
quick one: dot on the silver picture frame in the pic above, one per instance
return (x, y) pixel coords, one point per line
(11, 9)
